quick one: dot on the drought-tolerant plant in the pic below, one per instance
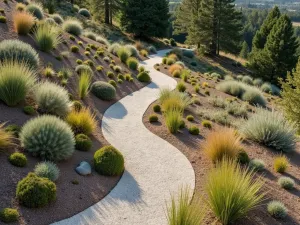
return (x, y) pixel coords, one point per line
(141, 69)
(83, 142)
(181, 87)
(52, 99)
(286, 183)
(277, 209)
(9, 215)
(103, 90)
(144, 53)
(176, 73)
(74, 49)
(170, 61)
(281, 164)
(232, 191)
(175, 67)
(190, 118)
(181, 212)
(207, 124)
(257, 164)
(258, 82)
(117, 69)
(12, 129)
(243, 157)
(84, 12)
(222, 143)
(20, 6)
(270, 129)
(36, 10)
(91, 35)
(123, 54)
(114, 48)
(253, 96)
(23, 22)
(109, 161)
(153, 118)
(132, 63)
(144, 77)
(33, 191)
(47, 170)
(16, 80)
(48, 72)
(156, 108)
(57, 18)
(102, 40)
(84, 84)
(48, 137)
(247, 80)
(237, 109)
(84, 68)
(18, 159)
(19, 51)
(113, 83)
(267, 88)
(65, 73)
(194, 130)
(3, 19)
(185, 74)
(152, 49)
(72, 26)
(173, 120)
(82, 122)
(50, 21)
(217, 101)
(132, 50)
(29, 110)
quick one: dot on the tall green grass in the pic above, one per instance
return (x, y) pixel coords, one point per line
(84, 84)
(173, 119)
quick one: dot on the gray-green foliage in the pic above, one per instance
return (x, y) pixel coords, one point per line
(36, 10)
(84, 68)
(52, 99)
(271, 129)
(113, 48)
(277, 209)
(133, 51)
(257, 164)
(48, 137)
(72, 26)
(48, 170)
(286, 183)
(57, 18)
(103, 90)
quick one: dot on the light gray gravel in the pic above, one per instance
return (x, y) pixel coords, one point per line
(154, 168)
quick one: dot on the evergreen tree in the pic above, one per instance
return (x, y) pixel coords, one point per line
(107, 7)
(290, 95)
(245, 50)
(148, 18)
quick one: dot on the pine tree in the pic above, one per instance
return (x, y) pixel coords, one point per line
(290, 95)
(107, 7)
(245, 50)
(147, 18)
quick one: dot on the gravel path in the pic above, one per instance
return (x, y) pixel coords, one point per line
(154, 168)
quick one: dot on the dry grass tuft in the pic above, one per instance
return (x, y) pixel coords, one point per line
(23, 22)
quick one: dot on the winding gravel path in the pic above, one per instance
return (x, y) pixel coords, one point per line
(154, 168)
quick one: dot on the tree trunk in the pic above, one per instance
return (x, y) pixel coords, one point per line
(110, 14)
(106, 12)
(214, 42)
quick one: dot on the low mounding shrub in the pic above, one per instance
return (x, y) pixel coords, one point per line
(232, 191)
(207, 124)
(47, 170)
(188, 53)
(277, 209)
(123, 54)
(82, 121)
(257, 164)
(114, 48)
(72, 26)
(173, 120)
(36, 10)
(18, 159)
(91, 35)
(181, 87)
(253, 96)
(23, 22)
(103, 90)
(83, 142)
(222, 143)
(194, 130)
(16, 80)
(6, 138)
(247, 80)
(144, 77)
(84, 12)
(286, 183)
(243, 157)
(132, 50)
(109, 161)
(13, 129)
(175, 67)
(57, 18)
(102, 40)
(33, 191)
(156, 108)
(52, 99)
(267, 88)
(132, 63)
(47, 36)
(270, 129)
(153, 118)
(8, 215)
(173, 100)
(84, 69)
(48, 137)
(258, 82)
(281, 164)
(19, 51)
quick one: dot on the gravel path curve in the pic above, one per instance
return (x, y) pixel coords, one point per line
(154, 168)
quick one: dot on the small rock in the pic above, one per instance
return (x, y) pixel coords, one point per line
(84, 168)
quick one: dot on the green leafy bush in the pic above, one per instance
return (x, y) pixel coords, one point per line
(74, 49)
(48, 137)
(52, 99)
(18, 159)
(47, 170)
(270, 129)
(277, 209)
(144, 77)
(33, 191)
(9, 215)
(72, 26)
(153, 118)
(83, 69)
(257, 164)
(194, 130)
(35, 9)
(103, 90)
(109, 161)
(15, 50)
(243, 157)
(156, 108)
(132, 63)
(83, 142)
(84, 12)
(123, 54)
(286, 183)
(170, 61)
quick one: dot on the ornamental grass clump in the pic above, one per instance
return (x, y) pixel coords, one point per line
(144, 76)
(132, 50)
(72, 26)
(179, 100)
(84, 84)
(36, 10)
(132, 63)
(82, 122)
(286, 183)
(48, 137)
(277, 209)
(84, 12)
(102, 40)
(52, 99)
(84, 69)
(173, 120)
(23, 22)
(47, 170)
(222, 143)
(57, 18)
(123, 54)
(16, 81)
(271, 129)
(232, 191)
(281, 163)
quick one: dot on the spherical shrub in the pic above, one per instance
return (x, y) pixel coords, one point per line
(156, 108)
(170, 61)
(257, 164)
(19, 51)
(267, 88)
(52, 99)
(207, 124)
(153, 118)
(286, 183)
(84, 69)
(132, 63)
(18, 159)
(258, 82)
(253, 96)
(176, 73)
(48, 137)
(82, 121)
(84, 12)
(123, 54)
(181, 124)
(144, 52)
(109, 161)
(2, 19)
(190, 118)
(102, 40)
(33, 191)
(132, 50)
(103, 90)
(114, 48)
(83, 142)
(113, 83)
(247, 80)
(13, 129)
(243, 157)
(47, 170)
(193, 64)
(36, 10)
(277, 209)
(281, 163)
(23, 22)
(74, 49)
(164, 60)
(188, 53)
(72, 26)
(194, 130)
(144, 77)
(91, 35)
(57, 18)
(8, 215)
(181, 87)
